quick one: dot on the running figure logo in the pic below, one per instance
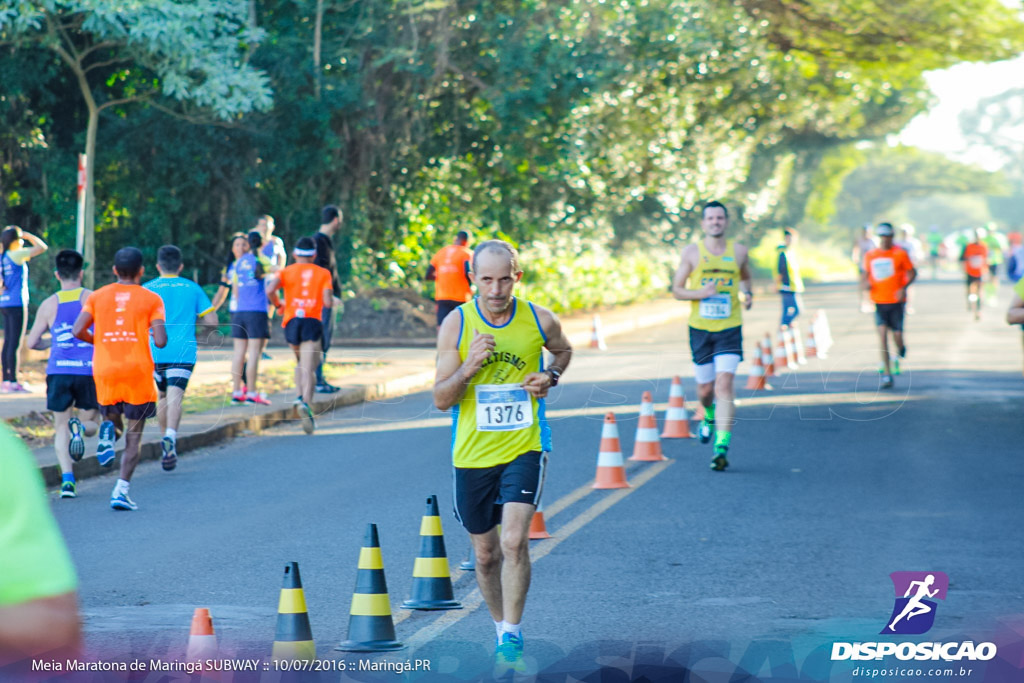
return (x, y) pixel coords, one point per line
(914, 611)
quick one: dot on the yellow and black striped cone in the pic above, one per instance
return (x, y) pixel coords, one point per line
(370, 628)
(431, 578)
(294, 637)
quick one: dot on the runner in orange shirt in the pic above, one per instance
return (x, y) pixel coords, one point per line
(887, 274)
(123, 315)
(449, 270)
(307, 293)
(975, 260)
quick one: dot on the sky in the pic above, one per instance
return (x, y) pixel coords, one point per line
(957, 89)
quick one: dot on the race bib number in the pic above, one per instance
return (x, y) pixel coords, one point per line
(502, 408)
(882, 269)
(976, 262)
(718, 307)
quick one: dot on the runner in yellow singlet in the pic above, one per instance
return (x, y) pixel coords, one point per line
(714, 275)
(490, 372)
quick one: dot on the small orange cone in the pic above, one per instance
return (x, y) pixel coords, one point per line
(812, 347)
(538, 529)
(202, 643)
(798, 344)
(611, 470)
(766, 355)
(677, 420)
(756, 379)
(596, 335)
(647, 446)
(787, 342)
(781, 359)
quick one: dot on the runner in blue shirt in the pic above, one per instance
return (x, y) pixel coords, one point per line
(184, 302)
(250, 326)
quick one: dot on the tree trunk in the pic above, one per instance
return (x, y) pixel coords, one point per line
(318, 29)
(89, 243)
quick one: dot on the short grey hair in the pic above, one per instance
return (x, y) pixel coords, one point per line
(497, 246)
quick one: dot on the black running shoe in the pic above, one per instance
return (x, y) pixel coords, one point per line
(720, 462)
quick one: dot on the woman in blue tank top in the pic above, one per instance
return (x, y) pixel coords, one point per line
(14, 298)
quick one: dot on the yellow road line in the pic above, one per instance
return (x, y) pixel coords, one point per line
(472, 601)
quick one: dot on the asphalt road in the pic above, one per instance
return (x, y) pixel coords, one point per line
(833, 486)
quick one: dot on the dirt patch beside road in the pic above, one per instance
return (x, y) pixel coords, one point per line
(387, 313)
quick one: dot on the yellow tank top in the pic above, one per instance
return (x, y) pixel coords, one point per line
(796, 283)
(721, 311)
(497, 420)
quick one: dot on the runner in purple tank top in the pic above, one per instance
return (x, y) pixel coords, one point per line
(69, 383)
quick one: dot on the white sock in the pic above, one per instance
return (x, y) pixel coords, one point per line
(497, 628)
(173, 434)
(121, 486)
(514, 629)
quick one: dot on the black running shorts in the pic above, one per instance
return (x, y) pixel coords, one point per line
(172, 375)
(480, 492)
(890, 315)
(250, 325)
(706, 345)
(300, 330)
(65, 391)
(444, 307)
(131, 411)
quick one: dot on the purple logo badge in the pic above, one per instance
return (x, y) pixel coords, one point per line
(914, 611)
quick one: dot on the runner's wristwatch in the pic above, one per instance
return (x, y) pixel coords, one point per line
(554, 375)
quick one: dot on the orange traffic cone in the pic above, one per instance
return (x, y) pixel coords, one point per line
(756, 379)
(798, 344)
(596, 335)
(766, 355)
(611, 470)
(202, 643)
(677, 420)
(812, 347)
(787, 345)
(538, 529)
(647, 446)
(781, 360)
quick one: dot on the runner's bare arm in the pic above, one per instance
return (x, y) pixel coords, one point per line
(81, 327)
(49, 625)
(454, 374)
(44, 320)
(38, 245)
(686, 264)
(746, 279)
(1015, 316)
(272, 284)
(539, 383)
(159, 333)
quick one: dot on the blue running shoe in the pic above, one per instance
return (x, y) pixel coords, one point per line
(105, 448)
(706, 430)
(67, 490)
(121, 501)
(76, 447)
(509, 653)
(169, 459)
